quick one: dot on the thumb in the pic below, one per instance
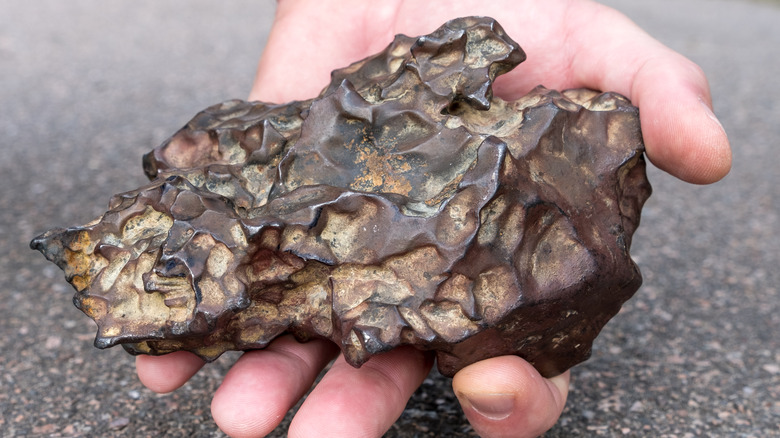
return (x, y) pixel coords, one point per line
(505, 396)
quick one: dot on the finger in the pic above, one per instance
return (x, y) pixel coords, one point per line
(505, 396)
(165, 373)
(682, 135)
(363, 401)
(264, 384)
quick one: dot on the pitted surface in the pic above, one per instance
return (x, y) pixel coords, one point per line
(405, 205)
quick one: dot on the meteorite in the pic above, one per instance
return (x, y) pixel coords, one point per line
(404, 205)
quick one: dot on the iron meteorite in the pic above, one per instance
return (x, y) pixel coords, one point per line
(405, 205)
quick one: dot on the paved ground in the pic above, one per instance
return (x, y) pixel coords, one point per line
(86, 87)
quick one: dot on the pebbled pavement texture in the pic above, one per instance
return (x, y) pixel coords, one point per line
(86, 87)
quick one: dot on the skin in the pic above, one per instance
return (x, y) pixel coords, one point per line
(569, 44)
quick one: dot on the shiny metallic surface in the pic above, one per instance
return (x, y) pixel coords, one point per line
(405, 205)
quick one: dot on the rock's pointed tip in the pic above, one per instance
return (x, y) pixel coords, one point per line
(43, 242)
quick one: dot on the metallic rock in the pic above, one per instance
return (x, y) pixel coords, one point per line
(405, 205)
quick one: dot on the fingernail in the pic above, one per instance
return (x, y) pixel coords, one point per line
(710, 114)
(495, 406)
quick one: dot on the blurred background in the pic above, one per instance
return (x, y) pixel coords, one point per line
(87, 87)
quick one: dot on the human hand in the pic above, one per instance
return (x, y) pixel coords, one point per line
(503, 396)
(569, 44)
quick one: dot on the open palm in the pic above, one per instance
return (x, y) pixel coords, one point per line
(569, 44)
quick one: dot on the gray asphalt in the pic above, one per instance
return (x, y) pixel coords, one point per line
(87, 87)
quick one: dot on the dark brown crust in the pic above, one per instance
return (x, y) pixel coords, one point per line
(403, 206)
